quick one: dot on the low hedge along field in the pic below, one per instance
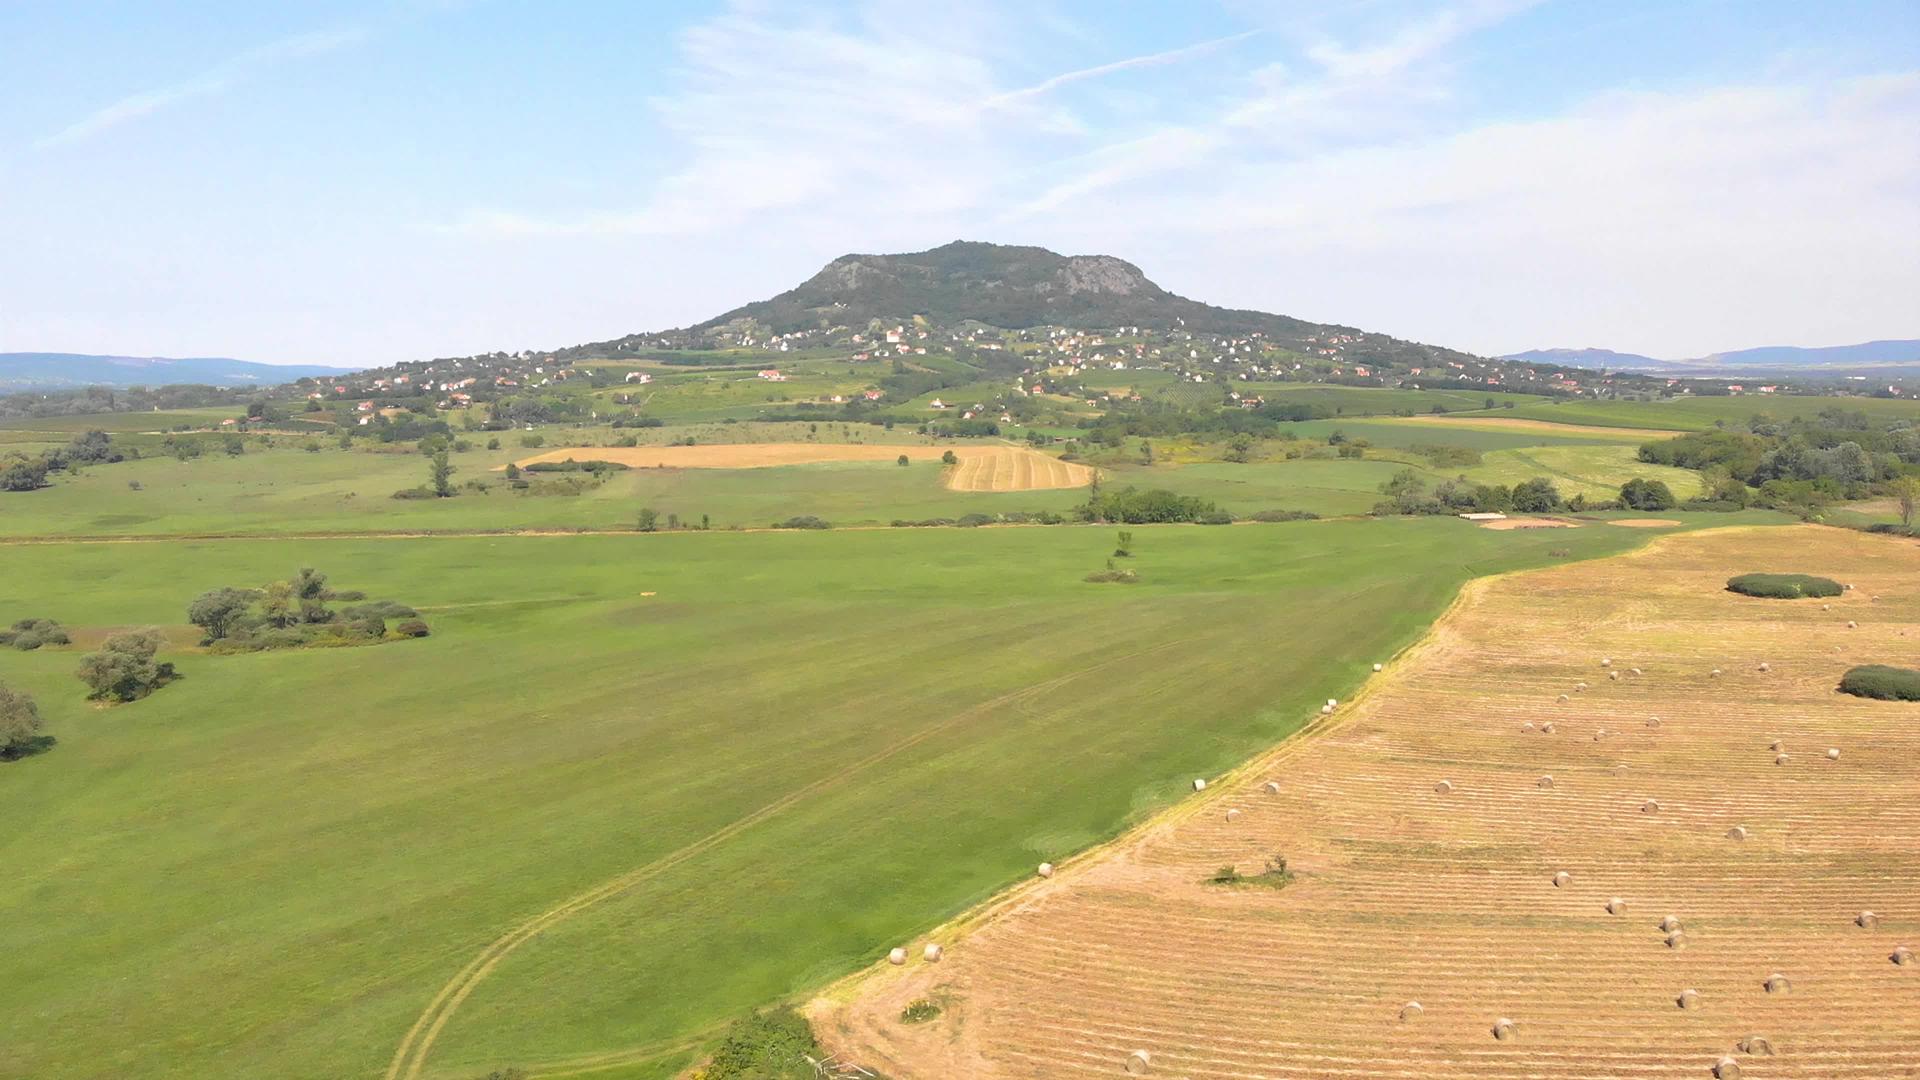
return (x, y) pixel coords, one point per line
(1783, 586)
(1882, 682)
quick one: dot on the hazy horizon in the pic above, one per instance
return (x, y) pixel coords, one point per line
(358, 183)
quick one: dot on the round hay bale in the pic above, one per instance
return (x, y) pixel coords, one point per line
(1738, 832)
(1726, 1069)
(1776, 746)
(1326, 710)
(1653, 721)
(897, 957)
(1616, 906)
(931, 954)
(1606, 663)
(1780, 759)
(1778, 984)
(1688, 999)
(1443, 787)
(1503, 1029)
(1714, 674)
(1669, 924)
(1579, 686)
(1851, 625)
(1677, 940)
(1613, 676)
(1271, 787)
(1139, 1062)
(1233, 815)
(1600, 734)
(1635, 671)
(1564, 697)
(1332, 701)
(1651, 806)
(1046, 869)
(1833, 753)
(1528, 726)
(1764, 667)
(1866, 920)
(1562, 879)
(1410, 1011)
(1902, 956)
(1849, 588)
(1620, 770)
(1379, 667)
(1756, 1045)
(1547, 728)
(1826, 607)
(1199, 785)
(1545, 781)
(1874, 599)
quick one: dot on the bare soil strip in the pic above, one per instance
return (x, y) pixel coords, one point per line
(1644, 523)
(981, 468)
(1407, 891)
(1531, 523)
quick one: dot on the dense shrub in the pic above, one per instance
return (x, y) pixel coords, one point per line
(570, 465)
(804, 521)
(1640, 493)
(29, 634)
(19, 724)
(124, 669)
(973, 521)
(293, 614)
(773, 1045)
(1215, 517)
(1122, 577)
(1283, 515)
(1783, 586)
(919, 1011)
(411, 628)
(1882, 682)
(1131, 506)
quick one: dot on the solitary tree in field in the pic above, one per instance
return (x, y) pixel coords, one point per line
(902, 460)
(949, 458)
(649, 519)
(216, 610)
(19, 723)
(442, 474)
(1906, 494)
(124, 668)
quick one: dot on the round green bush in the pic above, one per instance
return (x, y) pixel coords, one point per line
(1882, 682)
(1783, 586)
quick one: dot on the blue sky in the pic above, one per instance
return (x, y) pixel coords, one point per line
(376, 181)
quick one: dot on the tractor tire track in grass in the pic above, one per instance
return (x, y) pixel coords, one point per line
(410, 1057)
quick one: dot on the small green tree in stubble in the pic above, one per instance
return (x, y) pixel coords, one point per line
(949, 458)
(1124, 549)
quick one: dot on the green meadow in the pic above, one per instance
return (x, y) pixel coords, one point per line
(1701, 413)
(779, 753)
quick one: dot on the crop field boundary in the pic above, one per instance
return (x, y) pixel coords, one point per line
(1115, 877)
(410, 1057)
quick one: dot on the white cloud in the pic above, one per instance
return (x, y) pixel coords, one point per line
(214, 80)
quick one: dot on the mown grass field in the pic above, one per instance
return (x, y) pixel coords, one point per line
(798, 751)
(1594, 471)
(1701, 413)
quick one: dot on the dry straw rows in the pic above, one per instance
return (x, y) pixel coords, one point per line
(981, 467)
(1405, 894)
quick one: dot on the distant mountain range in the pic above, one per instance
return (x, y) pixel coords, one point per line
(25, 371)
(1869, 356)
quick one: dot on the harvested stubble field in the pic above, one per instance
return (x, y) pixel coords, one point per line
(981, 468)
(1405, 894)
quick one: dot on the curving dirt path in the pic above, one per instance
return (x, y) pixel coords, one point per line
(410, 1057)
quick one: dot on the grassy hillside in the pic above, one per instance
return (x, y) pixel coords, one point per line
(282, 857)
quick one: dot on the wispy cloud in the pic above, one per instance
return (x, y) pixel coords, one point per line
(1170, 56)
(217, 79)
